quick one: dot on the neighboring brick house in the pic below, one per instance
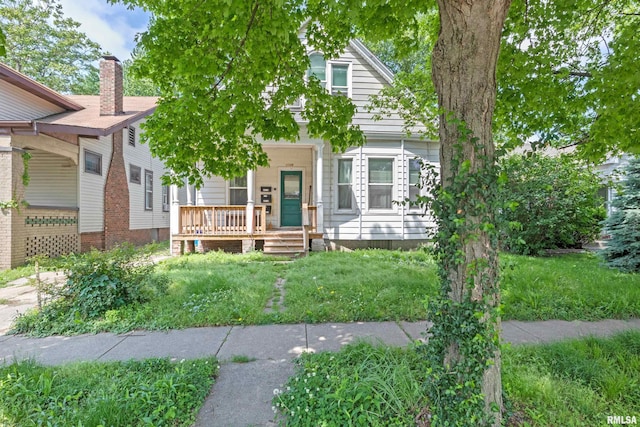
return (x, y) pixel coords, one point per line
(90, 182)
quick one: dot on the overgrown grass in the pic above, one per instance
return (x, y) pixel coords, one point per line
(567, 287)
(359, 286)
(136, 393)
(575, 383)
(369, 285)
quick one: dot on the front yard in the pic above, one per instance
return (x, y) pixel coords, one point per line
(369, 285)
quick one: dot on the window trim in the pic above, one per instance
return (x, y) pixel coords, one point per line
(98, 156)
(131, 168)
(337, 184)
(132, 136)
(392, 184)
(147, 192)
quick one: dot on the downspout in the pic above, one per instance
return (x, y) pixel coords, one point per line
(403, 186)
(360, 192)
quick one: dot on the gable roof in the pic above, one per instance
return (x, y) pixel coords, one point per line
(18, 79)
(372, 60)
(82, 112)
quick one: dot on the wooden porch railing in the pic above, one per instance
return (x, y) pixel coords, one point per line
(220, 220)
(232, 220)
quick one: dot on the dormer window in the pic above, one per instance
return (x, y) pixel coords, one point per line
(335, 76)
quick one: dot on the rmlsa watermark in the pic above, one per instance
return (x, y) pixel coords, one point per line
(621, 419)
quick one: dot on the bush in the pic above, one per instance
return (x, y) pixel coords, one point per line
(623, 249)
(96, 283)
(548, 202)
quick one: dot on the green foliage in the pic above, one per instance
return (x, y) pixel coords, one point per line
(548, 202)
(132, 85)
(574, 383)
(242, 65)
(623, 248)
(97, 282)
(359, 386)
(45, 45)
(3, 43)
(567, 287)
(135, 393)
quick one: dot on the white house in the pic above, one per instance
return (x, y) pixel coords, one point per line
(310, 196)
(90, 183)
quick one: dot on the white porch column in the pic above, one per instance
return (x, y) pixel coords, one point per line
(251, 191)
(189, 195)
(319, 182)
(174, 224)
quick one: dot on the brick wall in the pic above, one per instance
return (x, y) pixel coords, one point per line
(110, 86)
(12, 238)
(91, 240)
(116, 198)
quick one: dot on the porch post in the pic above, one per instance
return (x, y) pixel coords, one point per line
(319, 182)
(189, 194)
(174, 220)
(250, 201)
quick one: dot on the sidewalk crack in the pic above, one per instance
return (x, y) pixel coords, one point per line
(224, 341)
(127, 335)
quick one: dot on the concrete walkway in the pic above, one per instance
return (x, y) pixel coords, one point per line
(242, 393)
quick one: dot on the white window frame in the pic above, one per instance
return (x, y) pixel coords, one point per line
(165, 198)
(410, 159)
(328, 73)
(230, 187)
(330, 65)
(337, 184)
(98, 158)
(393, 183)
(148, 190)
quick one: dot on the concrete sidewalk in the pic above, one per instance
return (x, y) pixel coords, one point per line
(243, 392)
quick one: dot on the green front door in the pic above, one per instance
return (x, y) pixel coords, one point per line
(290, 198)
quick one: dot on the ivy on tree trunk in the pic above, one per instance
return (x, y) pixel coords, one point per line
(466, 323)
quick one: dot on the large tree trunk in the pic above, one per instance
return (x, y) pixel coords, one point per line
(464, 73)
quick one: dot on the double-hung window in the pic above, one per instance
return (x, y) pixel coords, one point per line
(339, 79)
(238, 191)
(345, 184)
(380, 183)
(148, 190)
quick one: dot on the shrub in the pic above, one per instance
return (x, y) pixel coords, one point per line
(548, 202)
(623, 249)
(96, 283)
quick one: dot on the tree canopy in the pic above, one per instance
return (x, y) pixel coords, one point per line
(566, 76)
(46, 46)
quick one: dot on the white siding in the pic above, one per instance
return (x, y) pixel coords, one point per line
(363, 223)
(91, 216)
(213, 192)
(53, 181)
(139, 155)
(18, 104)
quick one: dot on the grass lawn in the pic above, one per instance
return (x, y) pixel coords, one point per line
(150, 392)
(369, 285)
(574, 383)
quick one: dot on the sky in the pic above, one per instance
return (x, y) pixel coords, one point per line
(112, 26)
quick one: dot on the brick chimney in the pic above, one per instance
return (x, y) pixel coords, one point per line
(110, 86)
